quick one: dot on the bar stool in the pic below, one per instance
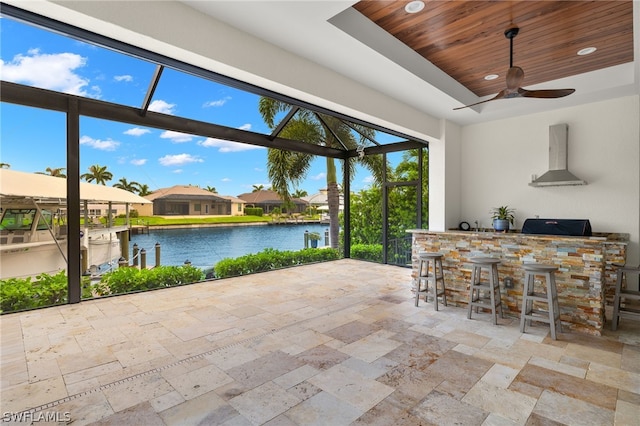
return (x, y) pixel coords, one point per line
(424, 258)
(627, 310)
(477, 286)
(552, 315)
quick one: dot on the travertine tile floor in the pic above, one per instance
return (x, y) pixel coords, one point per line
(336, 343)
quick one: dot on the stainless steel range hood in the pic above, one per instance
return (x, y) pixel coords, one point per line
(558, 175)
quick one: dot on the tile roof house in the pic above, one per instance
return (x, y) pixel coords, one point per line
(187, 200)
(268, 200)
(320, 201)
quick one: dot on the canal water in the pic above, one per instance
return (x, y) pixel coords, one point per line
(204, 247)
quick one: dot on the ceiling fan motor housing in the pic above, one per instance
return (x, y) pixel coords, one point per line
(511, 32)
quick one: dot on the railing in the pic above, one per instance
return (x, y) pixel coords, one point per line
(399, 251)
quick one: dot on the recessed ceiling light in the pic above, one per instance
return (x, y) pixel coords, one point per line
(491, 77)
(586, 51)
(414, 6)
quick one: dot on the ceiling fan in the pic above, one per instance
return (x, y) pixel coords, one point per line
(515, 76)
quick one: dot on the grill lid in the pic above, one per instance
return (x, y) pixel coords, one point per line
(573, 227)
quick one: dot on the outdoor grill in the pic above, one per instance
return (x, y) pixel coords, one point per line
(575, 227)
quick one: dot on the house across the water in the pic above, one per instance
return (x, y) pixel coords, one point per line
(268, 200)
(187, 200)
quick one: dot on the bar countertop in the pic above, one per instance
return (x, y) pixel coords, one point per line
(585, 279)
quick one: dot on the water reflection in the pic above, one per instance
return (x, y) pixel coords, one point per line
(204, 247)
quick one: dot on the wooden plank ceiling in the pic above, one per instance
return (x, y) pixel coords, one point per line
(466, 39)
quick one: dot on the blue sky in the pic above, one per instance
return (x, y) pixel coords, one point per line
(32, 139)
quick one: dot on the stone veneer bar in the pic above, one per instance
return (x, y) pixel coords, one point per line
(585, 279)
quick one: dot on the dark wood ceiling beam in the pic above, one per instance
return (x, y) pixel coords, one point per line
(47, 99)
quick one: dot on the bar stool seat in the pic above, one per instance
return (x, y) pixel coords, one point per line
(626, 303)
(550, 297)
(478, 287)
(430, 279)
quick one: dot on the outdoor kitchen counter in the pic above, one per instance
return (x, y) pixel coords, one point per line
(585, 279)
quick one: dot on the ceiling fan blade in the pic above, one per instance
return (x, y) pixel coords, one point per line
(500, 95)
(515, 76)
(545, 94)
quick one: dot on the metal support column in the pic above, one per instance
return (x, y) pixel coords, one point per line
(73, 203)
(346, 190)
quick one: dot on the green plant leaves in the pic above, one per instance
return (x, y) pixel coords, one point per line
(270, 259)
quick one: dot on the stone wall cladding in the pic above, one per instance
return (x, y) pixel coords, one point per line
(585, 279)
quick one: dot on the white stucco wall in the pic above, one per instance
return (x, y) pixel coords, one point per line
(498, 159)
(444, 178)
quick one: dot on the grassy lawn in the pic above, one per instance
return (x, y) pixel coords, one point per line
(155, 220)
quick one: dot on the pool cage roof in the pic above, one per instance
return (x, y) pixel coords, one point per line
(58, 101)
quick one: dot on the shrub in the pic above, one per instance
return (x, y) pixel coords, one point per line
(132, 214)
(270, 259)
(126, 280)
(372, 252)
(314, 236)
(253, 211)
(22, 293)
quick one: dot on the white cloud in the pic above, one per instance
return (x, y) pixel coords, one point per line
(108, 145)
(136, 131)
(125, 78)
(226, 179)
(96, 92)
(368, 179)
(217, 103)
(139, 162)
(162, 107)
(176, 137)
(227, 146)
(55, 71)
(319, 176)
(177, 171)
(179, 159)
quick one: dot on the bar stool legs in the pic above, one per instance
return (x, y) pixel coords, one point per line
(430, 279)
(529, 296)
(628, 311)
(477, 287)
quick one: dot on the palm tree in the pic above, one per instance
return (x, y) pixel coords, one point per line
(299, 193)
(211, 189)
(56, 172)
(143, 190)
(97, 173)
(288, 168)
(257, 188)
(5, 165)
(127, 186)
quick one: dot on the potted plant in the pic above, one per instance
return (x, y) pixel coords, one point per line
(314, 237)
(502, 216)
